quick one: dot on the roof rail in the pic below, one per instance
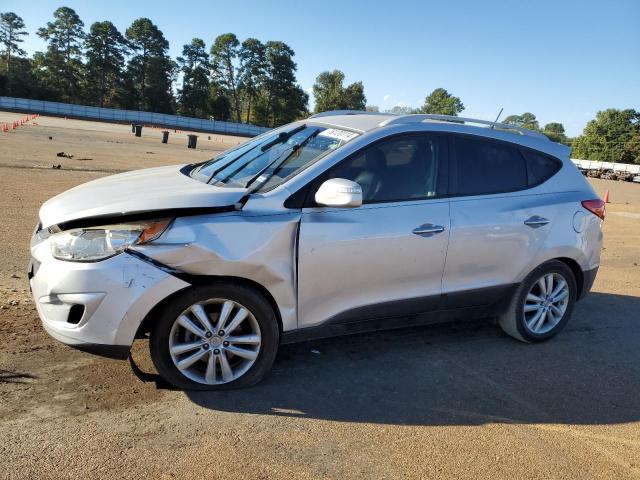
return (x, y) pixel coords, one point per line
(418, 118)
(344, 112)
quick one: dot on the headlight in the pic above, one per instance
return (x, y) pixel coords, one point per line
(98, 243)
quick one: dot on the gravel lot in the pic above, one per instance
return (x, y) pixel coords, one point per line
(459, 400)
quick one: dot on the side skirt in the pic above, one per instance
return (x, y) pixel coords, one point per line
(471, 305)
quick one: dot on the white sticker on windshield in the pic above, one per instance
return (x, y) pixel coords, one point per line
(343, 135)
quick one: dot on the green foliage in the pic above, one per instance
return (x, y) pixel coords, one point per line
(614, 136)
(252, 72)
(331, 94)
(250, 81)
(224, 55)
(150, 69)
(441, 102)
(194, 64)
(526, 120)
(218, 104)
(105, 49)
(403, 110)
(20, 81)
(146, 38)
(60, 67)
(555, 132)
(282, 99)
(11, 33)
(256, 79)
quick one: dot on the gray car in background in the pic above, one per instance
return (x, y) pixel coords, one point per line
(341, 223)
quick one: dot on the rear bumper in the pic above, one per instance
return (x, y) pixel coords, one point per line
(588, 277)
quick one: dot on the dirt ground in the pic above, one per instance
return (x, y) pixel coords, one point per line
(459, 400)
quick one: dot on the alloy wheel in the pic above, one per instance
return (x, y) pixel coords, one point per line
(215, 341)
(546, 303)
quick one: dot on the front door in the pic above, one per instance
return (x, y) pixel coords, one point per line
(386, 257)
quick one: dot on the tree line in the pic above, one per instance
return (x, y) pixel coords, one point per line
(249, 81)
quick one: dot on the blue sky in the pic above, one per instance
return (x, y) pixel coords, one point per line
(561, 60)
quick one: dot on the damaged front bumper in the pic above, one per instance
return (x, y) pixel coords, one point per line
(97, 306)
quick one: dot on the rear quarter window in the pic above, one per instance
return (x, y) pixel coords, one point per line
(540, 167)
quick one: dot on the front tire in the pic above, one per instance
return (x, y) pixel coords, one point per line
(542, 304)
(215, 337)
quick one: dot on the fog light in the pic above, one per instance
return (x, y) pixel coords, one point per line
(75, 314)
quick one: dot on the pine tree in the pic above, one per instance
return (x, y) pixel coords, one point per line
(105, 50)
(193, 97)
(224, 55)
(150, 69)
(11, 31)
(62, 62)
(253, 64)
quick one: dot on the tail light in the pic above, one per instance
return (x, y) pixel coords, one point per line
(597, 207)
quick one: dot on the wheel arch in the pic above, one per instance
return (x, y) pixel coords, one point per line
(197, 280)
(578, 274)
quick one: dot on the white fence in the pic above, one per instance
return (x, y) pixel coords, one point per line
(617, 167)
(129, 116)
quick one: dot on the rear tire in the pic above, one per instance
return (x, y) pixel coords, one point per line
(535, 314)
(190, 327)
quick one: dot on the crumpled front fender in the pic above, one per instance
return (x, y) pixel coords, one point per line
(261, 248)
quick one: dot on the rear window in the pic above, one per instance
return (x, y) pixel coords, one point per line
(484, 167)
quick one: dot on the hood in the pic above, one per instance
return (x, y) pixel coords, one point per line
(163, 191)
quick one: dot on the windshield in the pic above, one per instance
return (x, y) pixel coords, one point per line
(266, 161)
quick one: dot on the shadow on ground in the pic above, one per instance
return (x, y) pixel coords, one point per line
(7, 376)
(465, 373)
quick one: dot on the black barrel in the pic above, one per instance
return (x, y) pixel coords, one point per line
(192, 141)
(138, 130)
(165, 136)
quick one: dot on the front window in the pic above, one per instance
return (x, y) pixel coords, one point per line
(270, 159)
(407, 167)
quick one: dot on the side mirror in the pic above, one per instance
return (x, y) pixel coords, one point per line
(339, 192)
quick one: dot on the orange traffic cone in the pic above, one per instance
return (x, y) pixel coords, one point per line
(5, 127)
(14, 125)
(606, 197)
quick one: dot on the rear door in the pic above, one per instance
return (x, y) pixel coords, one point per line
(500, 217)
(387, 256)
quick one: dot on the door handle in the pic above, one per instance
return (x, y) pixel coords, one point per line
(428, 229)
(536, 221)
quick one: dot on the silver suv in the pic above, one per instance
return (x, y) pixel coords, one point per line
(341, 223)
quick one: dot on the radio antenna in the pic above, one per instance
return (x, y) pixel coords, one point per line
(499, 113)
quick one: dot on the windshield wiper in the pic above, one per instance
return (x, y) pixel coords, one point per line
(218, 170)
(282, 137)
(258, 182)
